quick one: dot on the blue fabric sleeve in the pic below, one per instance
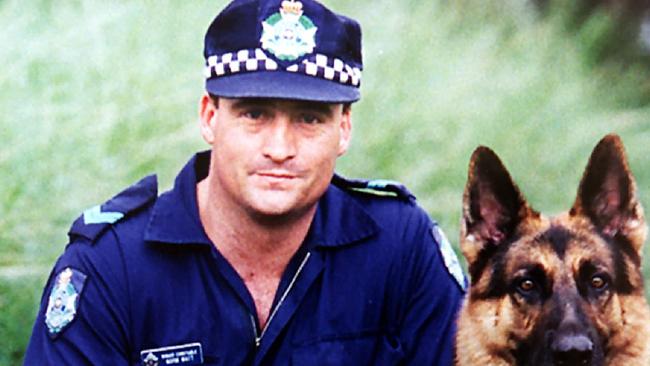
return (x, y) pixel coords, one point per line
(434, 298)
(98, 333)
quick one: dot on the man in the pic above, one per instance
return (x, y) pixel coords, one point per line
(260, 254)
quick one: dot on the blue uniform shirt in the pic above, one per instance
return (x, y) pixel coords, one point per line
(141, 284)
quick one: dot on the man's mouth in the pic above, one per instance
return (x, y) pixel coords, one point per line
(276, 175)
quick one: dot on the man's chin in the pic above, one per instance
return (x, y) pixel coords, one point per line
(281, 211)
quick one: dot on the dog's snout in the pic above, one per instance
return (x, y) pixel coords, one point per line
(572, 349)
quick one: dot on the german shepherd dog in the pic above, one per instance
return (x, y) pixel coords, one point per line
(563, 290)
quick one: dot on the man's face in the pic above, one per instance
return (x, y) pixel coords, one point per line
(271, 157)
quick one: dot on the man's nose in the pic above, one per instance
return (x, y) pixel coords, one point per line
(279, 140)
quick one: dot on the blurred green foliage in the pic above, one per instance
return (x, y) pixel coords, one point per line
(97, 94)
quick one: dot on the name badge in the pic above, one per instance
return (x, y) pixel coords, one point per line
(183, 354)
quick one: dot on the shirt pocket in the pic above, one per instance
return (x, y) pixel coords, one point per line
(355, 348)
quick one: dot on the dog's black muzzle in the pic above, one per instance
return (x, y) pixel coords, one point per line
(567, 338)
(572, 350)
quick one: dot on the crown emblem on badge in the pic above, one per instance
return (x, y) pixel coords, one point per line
(65, 277)
(288, 34)
(291, 7)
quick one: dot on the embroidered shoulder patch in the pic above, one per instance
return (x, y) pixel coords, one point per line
(380, 187)
(94, 215)
(449, 257)
(96, 220)
(288, 34)
(64, 300)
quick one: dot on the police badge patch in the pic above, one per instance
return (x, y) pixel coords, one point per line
(449, 257)
(64, 300)
(288, 34)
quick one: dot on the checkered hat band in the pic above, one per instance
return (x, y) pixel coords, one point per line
(317, 65)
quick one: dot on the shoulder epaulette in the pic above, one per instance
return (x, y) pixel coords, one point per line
(95, 220)
(374, 186)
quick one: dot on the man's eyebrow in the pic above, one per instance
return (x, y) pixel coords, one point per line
(323, 108)
(251, 102)
(317, 107)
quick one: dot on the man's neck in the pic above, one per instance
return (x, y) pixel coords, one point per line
(258, 249)
(247, 239)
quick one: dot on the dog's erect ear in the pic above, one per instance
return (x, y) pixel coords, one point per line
(607, 193)
(493, 206)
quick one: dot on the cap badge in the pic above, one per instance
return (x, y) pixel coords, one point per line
(64, 300)
(288, 34)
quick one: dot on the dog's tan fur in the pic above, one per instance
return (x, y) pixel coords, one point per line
(503, 239)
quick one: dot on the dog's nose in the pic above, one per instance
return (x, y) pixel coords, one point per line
(572, 349)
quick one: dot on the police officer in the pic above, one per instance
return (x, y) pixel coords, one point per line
(260, 254)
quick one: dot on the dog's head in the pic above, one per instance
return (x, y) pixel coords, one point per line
(554, 289)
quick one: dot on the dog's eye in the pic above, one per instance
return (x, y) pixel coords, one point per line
(526, 285)
(598, 282)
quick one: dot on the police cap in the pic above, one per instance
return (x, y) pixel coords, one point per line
(283, 49)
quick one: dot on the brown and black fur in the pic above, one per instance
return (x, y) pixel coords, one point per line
(563, 290)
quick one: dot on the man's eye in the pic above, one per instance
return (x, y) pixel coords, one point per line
(253, 114)
(309, 119)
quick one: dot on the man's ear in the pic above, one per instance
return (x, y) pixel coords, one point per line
(345, 130)
(207, 120)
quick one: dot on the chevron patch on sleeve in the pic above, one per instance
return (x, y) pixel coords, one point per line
(94, 215)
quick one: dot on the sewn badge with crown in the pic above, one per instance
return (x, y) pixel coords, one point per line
(288, 34)
(64, 300)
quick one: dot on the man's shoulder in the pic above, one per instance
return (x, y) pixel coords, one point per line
(374, 188)
(128, 206)
(391, 207)
(386, 201)
(405, 232)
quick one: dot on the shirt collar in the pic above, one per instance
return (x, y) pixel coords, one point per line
(339, 219)
(175, 217)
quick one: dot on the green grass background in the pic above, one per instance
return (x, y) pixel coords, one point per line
(96, 94)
